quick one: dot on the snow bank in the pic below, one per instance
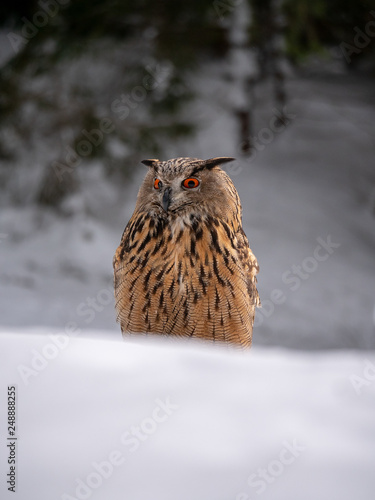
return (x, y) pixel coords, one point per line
(148, 418)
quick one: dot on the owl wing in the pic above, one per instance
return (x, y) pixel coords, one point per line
(250, 265)
(125, 263)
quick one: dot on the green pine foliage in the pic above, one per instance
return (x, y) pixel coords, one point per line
(312, 27)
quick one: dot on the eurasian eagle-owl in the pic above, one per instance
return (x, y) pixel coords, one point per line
(184, 266)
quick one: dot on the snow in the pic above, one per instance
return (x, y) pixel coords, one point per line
(210, 419)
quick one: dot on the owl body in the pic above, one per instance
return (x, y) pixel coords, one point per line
(184, 266)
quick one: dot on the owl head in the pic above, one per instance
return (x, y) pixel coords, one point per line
(181, 185)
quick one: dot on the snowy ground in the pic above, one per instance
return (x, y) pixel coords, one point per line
(149, 418)
(310, 182)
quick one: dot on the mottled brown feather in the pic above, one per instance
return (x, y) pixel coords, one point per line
(187, 271)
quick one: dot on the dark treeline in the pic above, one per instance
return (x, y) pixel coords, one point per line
(153, 47)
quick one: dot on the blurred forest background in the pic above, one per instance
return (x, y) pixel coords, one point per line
(90, 88)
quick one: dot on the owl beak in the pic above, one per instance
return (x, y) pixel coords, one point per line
(167, 196)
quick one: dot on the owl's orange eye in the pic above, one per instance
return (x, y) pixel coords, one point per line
(190, 183)
(158, 184)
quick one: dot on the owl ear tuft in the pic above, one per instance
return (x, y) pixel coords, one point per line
(150, 163)
(213, 162)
